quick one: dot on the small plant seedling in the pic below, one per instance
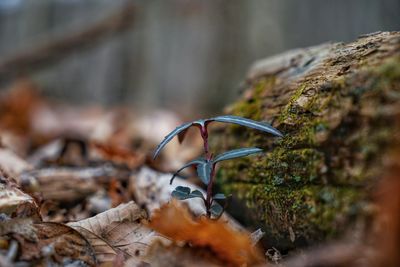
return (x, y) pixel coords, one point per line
(206, 165)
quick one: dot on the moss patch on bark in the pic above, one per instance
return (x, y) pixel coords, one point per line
(311, 184)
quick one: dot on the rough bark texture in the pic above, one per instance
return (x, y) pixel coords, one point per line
(336, 105)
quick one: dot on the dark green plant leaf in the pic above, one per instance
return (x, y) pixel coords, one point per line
(190, 163)
(197, 193)
(216, 209)
(248, 123)
(237, 153)
(181, 130)
(171, 135)
(183, 192)
(181, 195)
(219, 196)
(204, 171)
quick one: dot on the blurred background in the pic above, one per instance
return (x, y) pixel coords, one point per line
(184, 55)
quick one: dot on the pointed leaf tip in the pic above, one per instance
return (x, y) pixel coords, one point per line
(169, 137)
(248, 123)
(237, 153)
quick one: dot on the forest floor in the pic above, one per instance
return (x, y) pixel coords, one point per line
(79, 188)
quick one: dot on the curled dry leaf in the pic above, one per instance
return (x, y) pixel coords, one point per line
(12, 164)
(13, 199)
(232, 246)
(118, 231)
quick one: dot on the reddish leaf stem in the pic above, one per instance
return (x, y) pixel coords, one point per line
(208, 200)
(209, 191)
(204, 135)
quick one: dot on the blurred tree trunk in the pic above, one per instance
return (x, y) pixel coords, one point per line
(336, 105)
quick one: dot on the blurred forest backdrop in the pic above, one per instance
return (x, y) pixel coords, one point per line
(188, 56)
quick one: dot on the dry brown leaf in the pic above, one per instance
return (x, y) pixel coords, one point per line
(63, 240)
(117, 193)
(13, 199)
(118, 155)
(234, 247)
(17, 106)
(161, 255)
(12, 164)
(17, 143)
(21, 226)
(46, 241)
(117, 231)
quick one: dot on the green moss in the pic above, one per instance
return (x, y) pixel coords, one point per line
(309, 209)
(313, 181)
(253, 105)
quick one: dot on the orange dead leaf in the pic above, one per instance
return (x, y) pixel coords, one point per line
(116, 192)
(17, 106)
(119, 155)
(233, 246)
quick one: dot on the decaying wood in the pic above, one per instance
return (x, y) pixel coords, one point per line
(376, 247)
(336, 105)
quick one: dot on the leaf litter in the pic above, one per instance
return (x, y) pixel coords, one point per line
(78, 188)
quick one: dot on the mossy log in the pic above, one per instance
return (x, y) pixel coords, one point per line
(336, 105)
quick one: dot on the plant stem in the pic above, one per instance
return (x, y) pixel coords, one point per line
(209, 191)
(204, 135)
(208, 200)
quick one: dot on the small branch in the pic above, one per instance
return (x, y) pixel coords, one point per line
(55, 50)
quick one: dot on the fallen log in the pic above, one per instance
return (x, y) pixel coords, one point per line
(336, 105)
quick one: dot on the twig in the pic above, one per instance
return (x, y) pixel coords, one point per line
(57, 49)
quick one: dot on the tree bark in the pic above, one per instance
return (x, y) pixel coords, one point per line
(336, 105)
